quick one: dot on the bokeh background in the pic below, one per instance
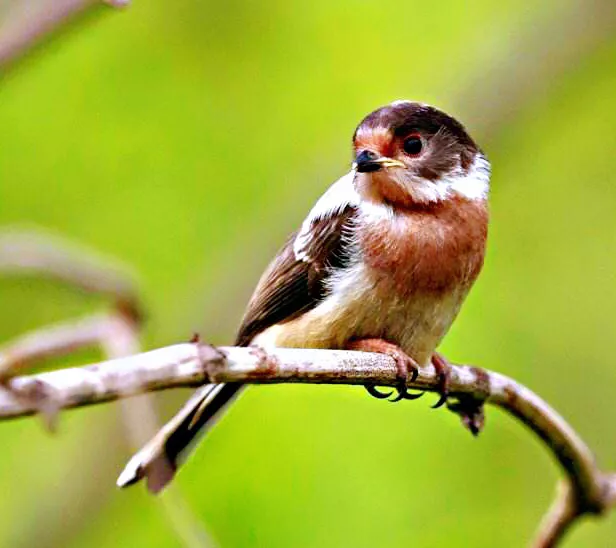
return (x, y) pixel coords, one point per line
(187, 138)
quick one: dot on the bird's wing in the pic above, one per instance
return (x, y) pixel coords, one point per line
(294, 281)
(292, 284)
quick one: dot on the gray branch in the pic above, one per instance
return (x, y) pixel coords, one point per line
(588, 490)
(115, 331)
(26, 23)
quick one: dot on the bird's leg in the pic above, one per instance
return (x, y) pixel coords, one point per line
(405, 365)
(443, 370)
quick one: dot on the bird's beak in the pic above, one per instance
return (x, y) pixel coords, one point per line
(368, 161)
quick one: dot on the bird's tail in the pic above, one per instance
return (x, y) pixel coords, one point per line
(160, 457)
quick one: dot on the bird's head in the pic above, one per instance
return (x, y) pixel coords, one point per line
(409, 154)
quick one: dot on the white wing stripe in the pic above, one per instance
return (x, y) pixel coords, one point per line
(338, 196)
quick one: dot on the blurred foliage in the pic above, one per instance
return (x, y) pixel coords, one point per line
(188, 139)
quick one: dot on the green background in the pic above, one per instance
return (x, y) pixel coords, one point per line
(188, 138)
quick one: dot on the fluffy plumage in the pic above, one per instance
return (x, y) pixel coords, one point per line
(388, 252)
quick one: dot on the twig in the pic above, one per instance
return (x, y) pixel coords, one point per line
(589, 491)
(37, 252)
(527, 66)
(566, 509)
(58, 340)
(25, 25)
(116, 332)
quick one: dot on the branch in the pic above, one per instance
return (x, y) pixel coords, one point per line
(566, 509)
(61, 339)
(589, 491)
(507, 80)
(37, 252)
(24, 25)
(115, 331)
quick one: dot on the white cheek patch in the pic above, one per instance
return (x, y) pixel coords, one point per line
(472, 185)
(475, 184)
(337, 197)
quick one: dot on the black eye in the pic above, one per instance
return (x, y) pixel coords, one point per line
(412, 145)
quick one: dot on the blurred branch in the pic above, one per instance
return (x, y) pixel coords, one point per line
(35, 252)
(116, 332)
(24, 23)
(59, 340)
(566, 509)
(589, 490)
(529, 65)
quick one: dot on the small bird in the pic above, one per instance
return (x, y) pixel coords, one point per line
(382, 263)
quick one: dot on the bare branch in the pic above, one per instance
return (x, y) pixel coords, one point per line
(561, 515)
(59, 340)
(513, 76)
(37, 252)
(116, 332)
(24, 24)
(589, 491)
(566, 509)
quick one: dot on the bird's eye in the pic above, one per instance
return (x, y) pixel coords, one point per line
(413, 144)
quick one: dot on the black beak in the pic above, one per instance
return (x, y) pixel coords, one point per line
(367, 161)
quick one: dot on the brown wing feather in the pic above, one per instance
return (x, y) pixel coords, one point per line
(290, 287)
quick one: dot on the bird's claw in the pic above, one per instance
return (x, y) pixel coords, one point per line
(441, 401)
(372, 390)
(444, 371)
(406, 368)
(404, 394)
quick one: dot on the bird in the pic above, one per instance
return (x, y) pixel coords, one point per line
(382, 263)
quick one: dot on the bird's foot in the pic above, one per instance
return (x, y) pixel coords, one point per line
(443, 370)
(405, 367)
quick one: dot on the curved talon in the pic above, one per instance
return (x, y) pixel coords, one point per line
(441, 401)
(404, 394)
(405, 367)
(372, 390)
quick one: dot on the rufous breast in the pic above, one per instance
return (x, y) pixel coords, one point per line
(430, 249)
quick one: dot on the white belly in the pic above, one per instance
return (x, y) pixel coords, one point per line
(363, 304)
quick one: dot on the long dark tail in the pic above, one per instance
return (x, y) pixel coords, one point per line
(159, 459)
